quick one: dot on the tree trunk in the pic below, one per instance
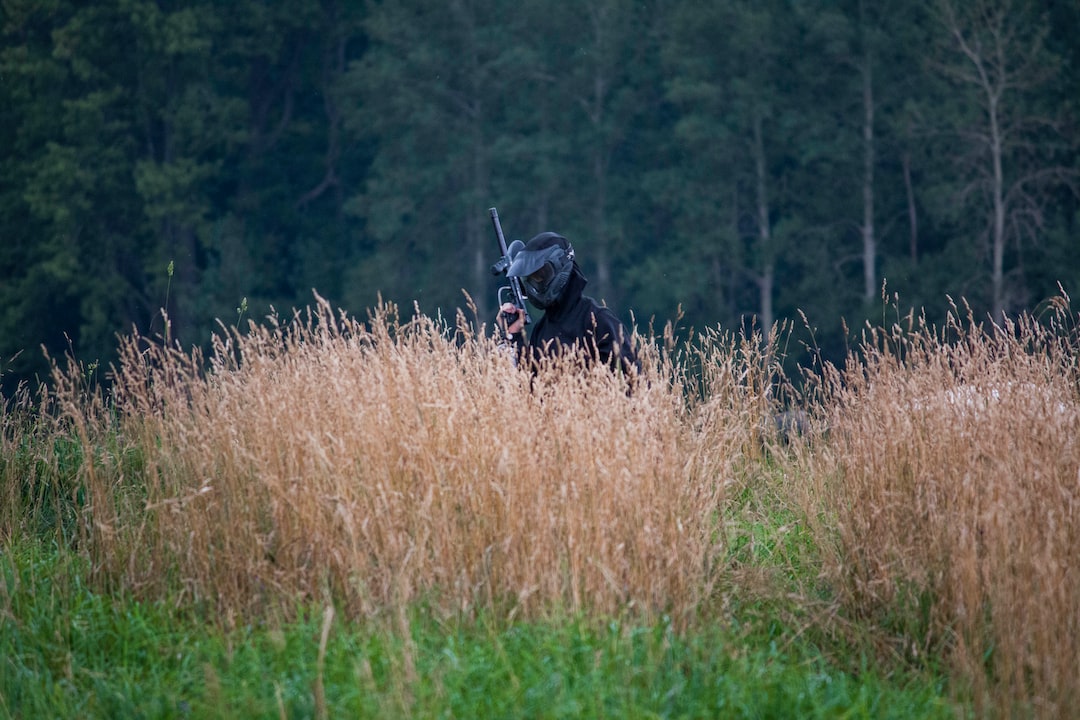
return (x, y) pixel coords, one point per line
(1001, 49)
(869, 239)
(997, 275)
(600, 239)
(912, 210)
(596, 106)
(479, 234)
(766, 270)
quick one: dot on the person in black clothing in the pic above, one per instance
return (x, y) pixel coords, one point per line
(572, 322)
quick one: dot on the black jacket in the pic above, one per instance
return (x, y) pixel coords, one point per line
(579, 323)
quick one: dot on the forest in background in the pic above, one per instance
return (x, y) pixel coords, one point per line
(743, 160)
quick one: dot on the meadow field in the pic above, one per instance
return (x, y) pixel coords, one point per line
(329, 517)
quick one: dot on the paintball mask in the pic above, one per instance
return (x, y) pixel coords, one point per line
(544, 266)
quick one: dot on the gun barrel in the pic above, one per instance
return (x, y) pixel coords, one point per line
(498, 230)
(504, 264)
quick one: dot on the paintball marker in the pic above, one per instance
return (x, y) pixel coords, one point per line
(517, 297)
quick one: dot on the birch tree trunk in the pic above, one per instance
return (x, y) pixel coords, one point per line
(996, 57)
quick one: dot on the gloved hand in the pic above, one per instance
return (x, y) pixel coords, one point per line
(511, 319)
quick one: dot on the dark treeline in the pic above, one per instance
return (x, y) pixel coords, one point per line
(738, 158)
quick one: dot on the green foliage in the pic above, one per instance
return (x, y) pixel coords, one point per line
(703, 155)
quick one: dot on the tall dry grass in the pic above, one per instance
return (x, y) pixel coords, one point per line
(39, 464)
(948, 486)
(21, 432)
(380, 463)
(374, 464)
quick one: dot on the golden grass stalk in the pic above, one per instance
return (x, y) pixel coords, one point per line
(950, 477)
(376, 464)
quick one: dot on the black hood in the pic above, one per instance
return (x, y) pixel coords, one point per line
(575, 286)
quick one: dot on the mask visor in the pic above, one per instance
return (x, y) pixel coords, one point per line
(541, 279)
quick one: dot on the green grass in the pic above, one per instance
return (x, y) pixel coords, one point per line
(66, 651)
